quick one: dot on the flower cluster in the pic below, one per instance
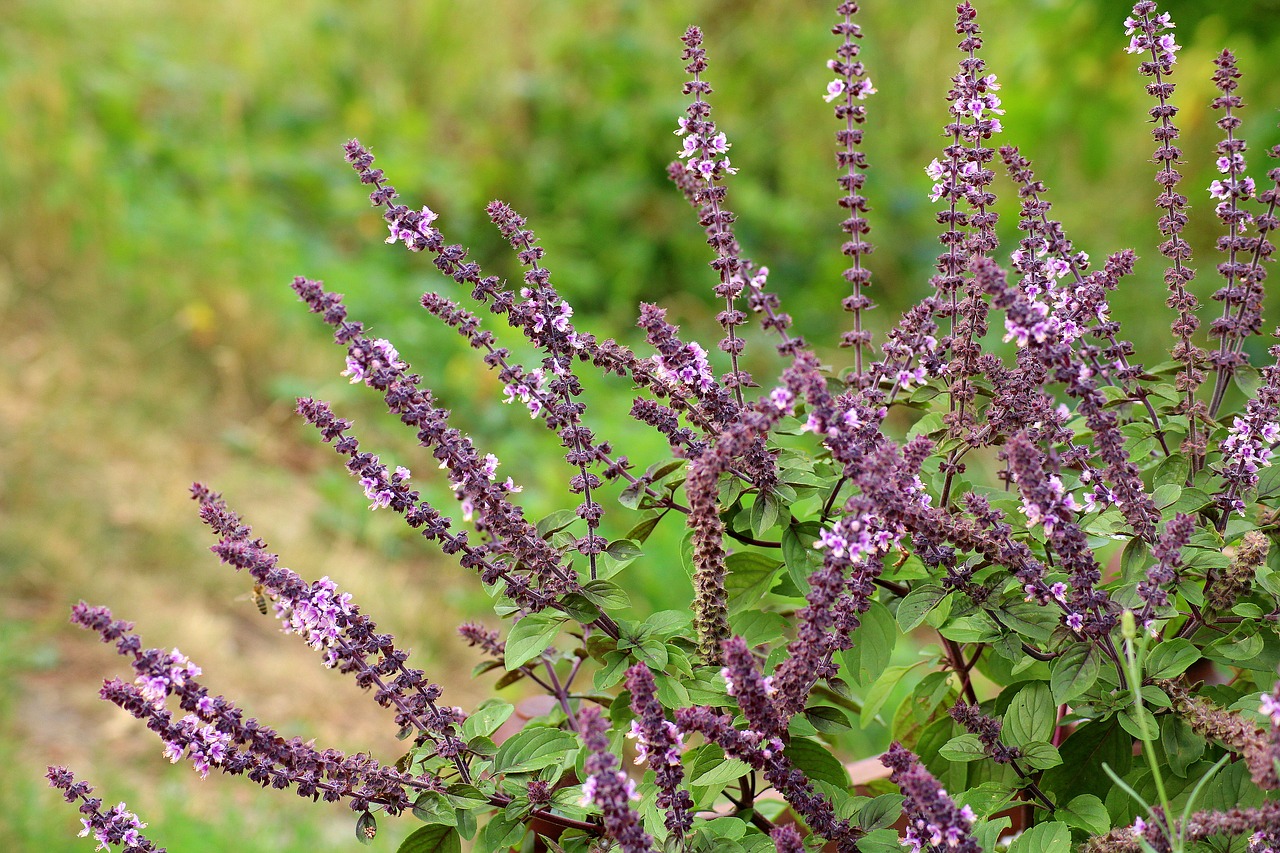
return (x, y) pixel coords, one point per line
(659, 744)
(933, 818)
(1027, 506)
(116, 826)
(610, 788)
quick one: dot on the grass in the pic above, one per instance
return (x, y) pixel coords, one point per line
(169, 168)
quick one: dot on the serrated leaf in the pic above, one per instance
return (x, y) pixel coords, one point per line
(1052, 837)
(533, 749)
(765, 512)
(1074, 671)
(749, 576)
(717, 772)
(817, 762)
(1085, 812)
(1031, 717)
(880, 812)
(1040, 755)
(1171, 658)
(916, 606)
(606, 595)
(486, 720)
(432, 839)
(965, 747)
(530, 637)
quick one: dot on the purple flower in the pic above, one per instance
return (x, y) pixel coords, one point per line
(659, 743)
(933, 819)
(117, 825)
(608, 787)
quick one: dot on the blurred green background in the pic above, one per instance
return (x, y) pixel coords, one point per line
(169, 167)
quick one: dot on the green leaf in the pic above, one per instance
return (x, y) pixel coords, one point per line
(486, 719)
(530, 637)
(644, 528)
(615, 667)
(827, 719)
(708, 767)
(1166, 495)
(533, 749)
(1031, 717)
(873, 642)
(758, 627)
(366, 828)
(816, 760)
(1085, 812)
(880, 690)
(1171, 658)
(606, 595)
(1235, 649)
(1052, 837)
(1134, 557)
(432, 808)
(1074, 672)
(965, 747)
(555, 522)
(1139, 722)
(749, 576)
(799, 554)
(985, 798)
(1269, 482)
(880, 812)
(502, 832)
(623, 551)
(432, 839)
(1088, 747)
(1040, 755)
(765, 512)
(665, 623)
(1182, 746)
(987, 832)
(916, 606)
(1192, 501)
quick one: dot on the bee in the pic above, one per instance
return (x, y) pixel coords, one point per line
(260, 598)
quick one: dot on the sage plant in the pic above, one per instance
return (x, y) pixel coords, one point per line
(1039, 566)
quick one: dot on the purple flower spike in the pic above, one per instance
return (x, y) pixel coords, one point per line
(787, 840)
(934, 822)
(610, 788)
(117, 825)
(658, 742)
